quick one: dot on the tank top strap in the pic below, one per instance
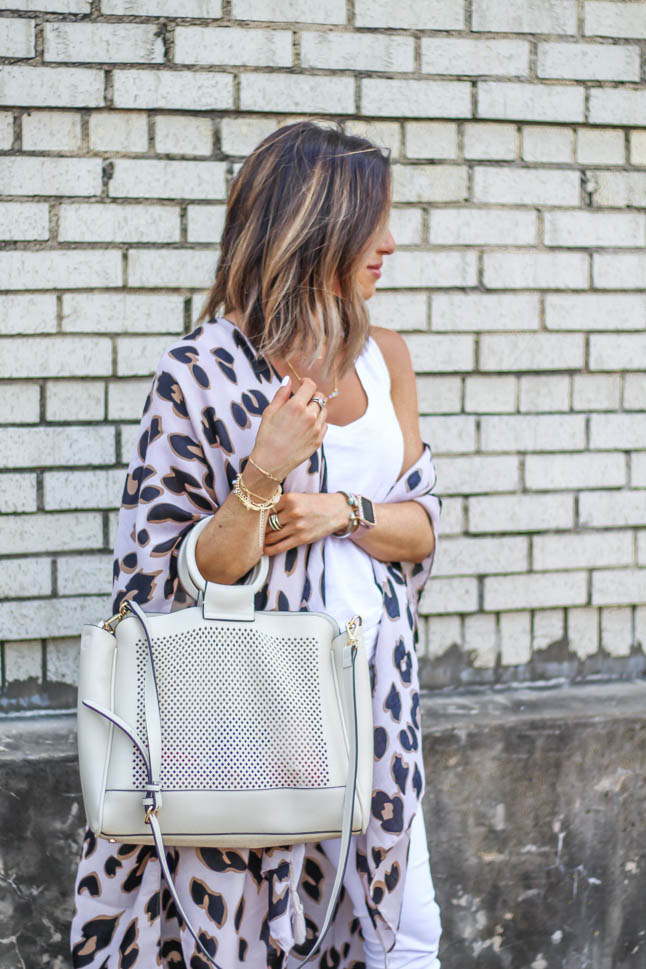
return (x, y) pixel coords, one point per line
(372, 367)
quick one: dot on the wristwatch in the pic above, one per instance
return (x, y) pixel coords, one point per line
(362, 513)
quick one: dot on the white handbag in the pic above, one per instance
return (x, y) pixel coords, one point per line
(234, 728)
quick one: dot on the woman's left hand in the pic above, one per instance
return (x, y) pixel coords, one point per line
(304, 518)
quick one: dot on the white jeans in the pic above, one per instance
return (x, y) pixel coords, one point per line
(420, 928)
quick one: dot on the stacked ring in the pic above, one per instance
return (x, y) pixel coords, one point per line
(274, 523)
(318, 400)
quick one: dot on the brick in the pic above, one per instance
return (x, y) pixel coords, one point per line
(490, 139)
(126, 399)
(48, 6)
(526, 186)
(444, 596)
(27, 313)
(23, 220)
(623, 431)
(635, 392)
(205, 223)
(429, 183)
(609, 19)
(560, 471)
(641, 547)
(406, 226)
(620, 189)
(637, 146)
(26, 534)
(183, 136)
(75, 87)
(458, 55)
(122, 313)
(617, 106)
(439, 395)
(625, 270)
(596, 392)
(192, 90)
(544, 394)
(481, 474)
(401, 311)
(600, 146)
(481, 641)
(239, 136)
(547, 144)
(6, 130)
(19, 403)
(621, 351)
(433, 14)
(416, 99)
(143, 178)
(209, 9)
(55, 356)
(582, 551)
(453, 226)
(185, 268)
(22, 578)
(60, 269)
(594, 311)
(354, 51)
(83, 574)
(520, 513)
(83, 489)
(433, 354)
(448, 434)
(113, 222)
(536, 270)
(531, 17)
(23, 661)
(549, 628)
(617, 631)
(481, 556)
(484, 311)
(45, 175)
(431, 139)
(386, 134)
(238, 46)
(323, 12)
(75, 400)
(452, 519)
(17, 493)
(640, 625)
(297, 93)
(544, 432)
(605, 509)
(638, 470)
(51, 131)
(583, 631)
(40, 618)
(63, 661)
(616, 587)
(139, 354)
(118, 131)
(129, 441)
(517, 100)
(413, 269)
(443, 633)
(17, 38)
(535, 591)
(515, 642)
(37, 447)
(582, 229)
(103, 43)
(591, 62)
(531, 351)
(490, 395)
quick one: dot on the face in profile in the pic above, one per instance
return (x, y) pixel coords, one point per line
(370, 264)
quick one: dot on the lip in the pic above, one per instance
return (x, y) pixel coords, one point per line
(375, 270)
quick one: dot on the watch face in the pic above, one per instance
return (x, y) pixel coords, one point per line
(367, 511)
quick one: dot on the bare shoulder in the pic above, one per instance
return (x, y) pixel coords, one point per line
(395, 352)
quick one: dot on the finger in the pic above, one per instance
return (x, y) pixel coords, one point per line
(306, 390)
(281, 395)
(283, 546)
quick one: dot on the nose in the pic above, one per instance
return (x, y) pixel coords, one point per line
(387, 244)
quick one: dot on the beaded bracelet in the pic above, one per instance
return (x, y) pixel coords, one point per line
(243, 494)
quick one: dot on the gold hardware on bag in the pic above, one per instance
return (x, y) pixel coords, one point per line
(111, 624)
(149, 811)
(351, 627)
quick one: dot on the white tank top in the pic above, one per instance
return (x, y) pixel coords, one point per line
(364, 457)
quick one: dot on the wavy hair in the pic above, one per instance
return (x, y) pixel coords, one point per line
(302, 209)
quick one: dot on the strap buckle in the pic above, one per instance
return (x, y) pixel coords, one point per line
(111, 624)
(150, 811)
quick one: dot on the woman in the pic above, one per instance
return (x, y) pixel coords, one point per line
(291, 384)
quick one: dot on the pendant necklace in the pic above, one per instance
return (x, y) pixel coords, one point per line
(335, 392)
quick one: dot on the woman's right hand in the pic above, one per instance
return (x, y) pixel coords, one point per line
(291, 429)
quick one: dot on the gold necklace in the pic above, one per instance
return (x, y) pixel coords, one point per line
(335, 392)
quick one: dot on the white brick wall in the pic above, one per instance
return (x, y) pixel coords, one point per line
(518, 140)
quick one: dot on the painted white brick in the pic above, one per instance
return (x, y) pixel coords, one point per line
(616, 106)
(75, 87)
(45, 175)
(17, 493)
(416, 99)
(122, 313)
(625, 270)
(637, 146)
(486, 139)
(129, 440)
(559, 471)
(386, 134)
(515, 642)
(512, 101)
(433, 14)
(443, 632)
(323, 12)
(84, 489)
(638, 470)
(547, 144)
(484, 311)
(40, 618)
(635, 392)
(51, 533)
(176, 135)
(531, 16)
(439, 395)
(186, 268)
(583, 631)
(621, 351)
(406, 226)
(205, 223)
(446, 596)
(431, 139)
(526, 186)
(480, 640)
(60, 269)
(620, 189)
(23, 661)
(191, 90)
(37, 447)
(146, 178)
(596, 392)
(549, 627)
(455, 226)
(451, 522)
(6, 130)
(239, 136)
(535, 591)
(531, 351)
(126, 399)
(582, 551)
(351, 51)
(103, 43)
(75, 400)
(617, 587)
(51, 131)
(480, 474)
(63, 661)
(582, 229)
(209, 9)
(490, 395)
(601, 509)
(401, 311)
(640, 625)
(609, 19)
(536, 270)
(592, 62)
(617, 631)
(118, 131)
(27, 313)
(600, 146)
(429, 183)
(433, 354)
(103, 222)
(83, 574)
(412, 269)
(618, 431)
(520, 513)
(544, 394)
(139, 354)
(449, 435)
(19, 403)
(481, 556)
(47, 6)
(641, 547)
(594, 311)
(55, 356)
(544, 432)
(23, 220)
(297, 93)
(17, 38)
(22, 578)
(234, 45)
(467, 56)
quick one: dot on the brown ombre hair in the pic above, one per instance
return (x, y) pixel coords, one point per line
(302, 210)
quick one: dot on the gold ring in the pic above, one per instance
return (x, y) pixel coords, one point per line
(321, 401)
(274, 522)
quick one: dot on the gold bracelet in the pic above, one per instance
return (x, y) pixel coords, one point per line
(239, 489)
(248, 491)
(267, 474)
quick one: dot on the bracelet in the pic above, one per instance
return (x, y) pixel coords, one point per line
(267, 474)
(243, 494)
(353, 522)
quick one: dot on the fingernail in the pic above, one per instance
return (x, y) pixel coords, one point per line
(284, 381)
